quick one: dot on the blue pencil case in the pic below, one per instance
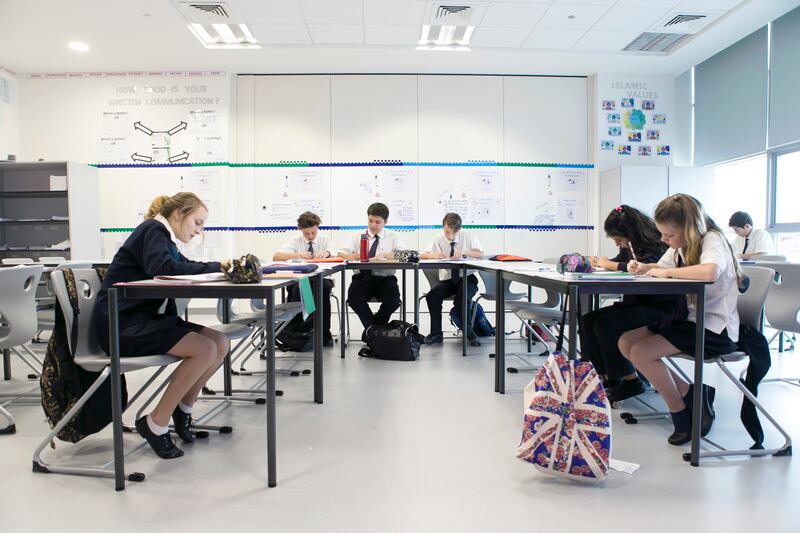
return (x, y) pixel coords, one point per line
(283, 267)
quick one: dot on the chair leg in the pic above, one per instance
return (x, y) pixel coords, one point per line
(11, 428)
(39, 466)
(785, 449)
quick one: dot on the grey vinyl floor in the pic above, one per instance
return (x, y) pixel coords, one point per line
(403, 447)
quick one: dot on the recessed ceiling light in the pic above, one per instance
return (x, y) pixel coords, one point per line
(79, 46)
(570, 17)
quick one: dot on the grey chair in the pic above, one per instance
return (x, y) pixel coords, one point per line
(765, 258)
(18, 324)
(18, 261)
(783, 305)
(88, 354)
(750, 306)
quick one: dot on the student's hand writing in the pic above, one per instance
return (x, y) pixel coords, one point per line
(635, 267)
(321, 255)
(593, 260)
(304, 255)
(224, 264)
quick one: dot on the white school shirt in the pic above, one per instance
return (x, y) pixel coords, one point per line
(299, 244)
(759, 240)
(465, 241)
(723, 294)
(389, 242)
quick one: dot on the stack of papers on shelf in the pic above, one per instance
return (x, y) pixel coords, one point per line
(191, 279)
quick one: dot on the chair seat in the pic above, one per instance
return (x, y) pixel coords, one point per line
(233, 331)
(96, 363)
(509, 297)
(531, 311)
(732, 357)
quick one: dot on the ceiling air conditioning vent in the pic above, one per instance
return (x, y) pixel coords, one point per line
(656, 42)
(673, 31)
(683, 19)
(448, 11)
(217, 10)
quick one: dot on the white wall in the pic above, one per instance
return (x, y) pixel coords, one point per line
(9, 115)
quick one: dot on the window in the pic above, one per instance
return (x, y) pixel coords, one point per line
(740, 186)
(787, 188)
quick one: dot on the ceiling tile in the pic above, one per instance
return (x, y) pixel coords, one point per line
(557, 17)
(506, 15)
(703, 5)
(499, 37)
(629, 18)
(393, 12)
(406, 35)
(337, 12)
(336, 34)
(554, 39)
(271, 11)
(650, 3)
(587, 2)
(268, 34)
(606, 40)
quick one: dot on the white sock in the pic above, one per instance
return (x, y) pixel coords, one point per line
(155, 428)
(185, 408)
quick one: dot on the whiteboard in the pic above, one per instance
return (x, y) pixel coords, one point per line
(353, 189)
(279, 195)
(475, 193)
(546, 196)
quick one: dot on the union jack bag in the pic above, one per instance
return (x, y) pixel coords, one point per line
(567, 425)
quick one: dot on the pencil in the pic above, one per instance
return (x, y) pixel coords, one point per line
(630, 247)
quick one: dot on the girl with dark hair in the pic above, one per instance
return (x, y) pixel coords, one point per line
(636, 236)
(698, 251)
(143, 330)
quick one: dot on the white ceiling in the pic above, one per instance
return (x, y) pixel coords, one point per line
(512, 36)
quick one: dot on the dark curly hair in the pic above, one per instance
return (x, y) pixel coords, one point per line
(629, 223)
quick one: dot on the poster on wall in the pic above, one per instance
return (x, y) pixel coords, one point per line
(475, 193)
(634, 117)
(163, 118)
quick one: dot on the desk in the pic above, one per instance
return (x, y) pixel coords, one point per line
(266, 289)
(575, 288)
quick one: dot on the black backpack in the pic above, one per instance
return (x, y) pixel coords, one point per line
(396, 341)
(63, 382)
(297, 336)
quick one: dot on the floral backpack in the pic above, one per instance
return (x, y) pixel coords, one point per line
(566, 429)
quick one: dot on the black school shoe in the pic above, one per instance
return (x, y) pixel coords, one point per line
(183, 424)
(708, 407)
(627, 389)
(161, 444)
(683, 428)
(327, 340)
(434, 338)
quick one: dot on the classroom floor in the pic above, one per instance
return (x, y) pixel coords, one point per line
(405, 447)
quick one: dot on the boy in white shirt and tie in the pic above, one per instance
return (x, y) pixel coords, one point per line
(310, 244)
(378, 284)
(749, 242)
(452, 243)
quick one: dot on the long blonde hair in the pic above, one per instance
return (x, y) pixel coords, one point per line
(155, 207)
(687, 212)
(186, 202)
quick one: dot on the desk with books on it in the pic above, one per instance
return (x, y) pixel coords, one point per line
(574, 288)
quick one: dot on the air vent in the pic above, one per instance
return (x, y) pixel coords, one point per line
(453, 11)
(683, 19)
(657, 42)
(217, 10)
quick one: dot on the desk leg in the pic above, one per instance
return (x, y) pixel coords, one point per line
(528, 336)
(343, 315)
(464, 311)
(403, 298)
(573, 322)
(416, 295)
(116, 395)
(6, 365)
(227, 383)
(499, 336)
(699, 358)
(318, 340)
(269, 332)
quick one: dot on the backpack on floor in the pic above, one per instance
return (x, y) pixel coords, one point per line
(567, 421)
(481, 327)
(63, 382)
(297, 336)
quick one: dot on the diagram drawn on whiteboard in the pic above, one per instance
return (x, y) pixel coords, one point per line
(160, 145)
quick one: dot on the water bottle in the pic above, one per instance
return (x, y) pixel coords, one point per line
(364, 250)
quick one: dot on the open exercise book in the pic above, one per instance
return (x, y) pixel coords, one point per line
(607, 275)
(191, 279)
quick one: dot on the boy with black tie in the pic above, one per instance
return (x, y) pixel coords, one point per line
(452, 243)
(378, 284)
(310, 244)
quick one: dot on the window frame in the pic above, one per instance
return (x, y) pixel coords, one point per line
(772, 189)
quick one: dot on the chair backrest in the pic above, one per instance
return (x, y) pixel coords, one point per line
(181, 304)
(760, 258)
(432, 276)
(52, 259)
(18, 304)
(783, 302)
(88, 286)
(490, 282)
(751, 302)
(17, 261)
(75, 264)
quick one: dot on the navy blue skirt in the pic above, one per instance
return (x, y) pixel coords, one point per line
(154, 337)
(681, 335)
